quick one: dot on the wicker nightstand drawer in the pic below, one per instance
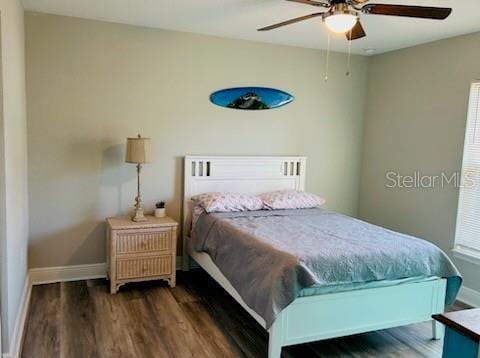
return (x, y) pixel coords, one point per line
(132, 242)
(139, 251)
(144, 267)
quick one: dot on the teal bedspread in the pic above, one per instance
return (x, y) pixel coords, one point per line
(324, 289)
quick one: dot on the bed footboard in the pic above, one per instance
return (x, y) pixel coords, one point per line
(316, 318)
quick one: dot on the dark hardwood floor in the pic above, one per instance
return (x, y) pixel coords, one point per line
(195, 319)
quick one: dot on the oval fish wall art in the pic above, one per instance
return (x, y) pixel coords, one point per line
(251, 98)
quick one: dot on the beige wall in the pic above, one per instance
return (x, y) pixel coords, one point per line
(13, 167)
(91, 84)
(415, 121)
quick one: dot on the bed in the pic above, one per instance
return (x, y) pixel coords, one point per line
(318, 315)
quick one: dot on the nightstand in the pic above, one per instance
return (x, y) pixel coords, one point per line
(141, 251)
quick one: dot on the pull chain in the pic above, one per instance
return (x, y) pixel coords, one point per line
(349, 53)
(328, 57)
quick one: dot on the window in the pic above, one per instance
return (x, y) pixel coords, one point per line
(467, 236)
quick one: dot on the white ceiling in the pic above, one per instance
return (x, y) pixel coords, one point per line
(239, 19)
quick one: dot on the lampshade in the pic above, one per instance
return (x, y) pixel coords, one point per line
(340, 22)
(139, 150)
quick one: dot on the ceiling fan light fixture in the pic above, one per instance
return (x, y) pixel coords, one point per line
(340, 21)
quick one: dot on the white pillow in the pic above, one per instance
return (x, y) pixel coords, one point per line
(227, 202)
(290, 199)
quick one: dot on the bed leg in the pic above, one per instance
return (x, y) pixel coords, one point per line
(437, 330)
(275, 338)
(274, 347)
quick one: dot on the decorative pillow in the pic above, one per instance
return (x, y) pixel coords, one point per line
(290, 199)
(227, 202)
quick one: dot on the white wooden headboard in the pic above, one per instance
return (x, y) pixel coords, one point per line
(250, 175)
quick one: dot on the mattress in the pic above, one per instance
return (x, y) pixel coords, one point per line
(326, 289)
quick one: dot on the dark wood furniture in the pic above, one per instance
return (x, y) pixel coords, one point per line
(462, 333)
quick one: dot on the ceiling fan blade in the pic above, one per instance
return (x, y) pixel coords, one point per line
(357, 32)
(291, 21)
(424, 12)
(313, 3)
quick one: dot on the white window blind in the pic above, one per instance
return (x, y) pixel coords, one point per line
(467, 237)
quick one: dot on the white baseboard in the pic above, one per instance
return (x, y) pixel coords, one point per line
(469, 296)
(39, 276)
(19, 328)
(44, 275)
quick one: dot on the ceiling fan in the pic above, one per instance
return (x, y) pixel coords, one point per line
(343, 16)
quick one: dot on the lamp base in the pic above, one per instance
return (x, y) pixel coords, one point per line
(139, 215)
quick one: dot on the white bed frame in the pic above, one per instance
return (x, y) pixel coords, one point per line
(310, 318)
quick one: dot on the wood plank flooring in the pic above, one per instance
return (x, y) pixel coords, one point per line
(195, 319)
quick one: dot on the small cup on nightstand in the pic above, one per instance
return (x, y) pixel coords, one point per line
(160, 209)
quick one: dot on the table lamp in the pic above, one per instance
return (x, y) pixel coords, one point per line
(139, 152)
